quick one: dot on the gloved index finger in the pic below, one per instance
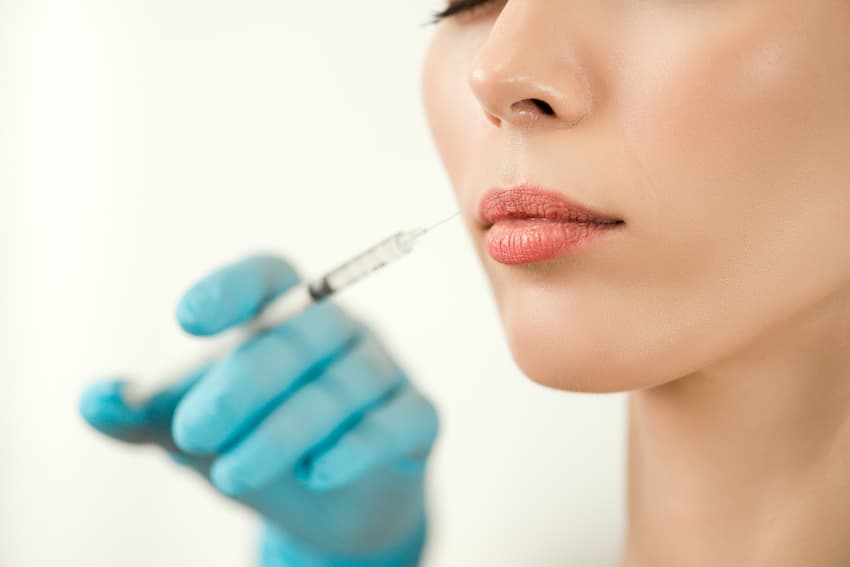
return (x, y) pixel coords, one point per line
(234, 294)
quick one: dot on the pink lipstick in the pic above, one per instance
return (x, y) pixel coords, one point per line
(528, 224)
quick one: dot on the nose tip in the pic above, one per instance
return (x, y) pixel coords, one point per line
(524, 79)
(525, 102)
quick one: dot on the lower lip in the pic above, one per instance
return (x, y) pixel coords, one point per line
(523, 241)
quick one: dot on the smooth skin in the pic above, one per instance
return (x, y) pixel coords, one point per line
(719, 131)
(312, 424)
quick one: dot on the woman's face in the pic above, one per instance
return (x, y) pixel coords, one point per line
(718, 130)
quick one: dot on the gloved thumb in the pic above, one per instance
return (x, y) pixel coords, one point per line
(104, 405)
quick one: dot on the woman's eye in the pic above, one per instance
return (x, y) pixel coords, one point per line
(456, 7)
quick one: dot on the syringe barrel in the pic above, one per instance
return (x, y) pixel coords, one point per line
(375, 257)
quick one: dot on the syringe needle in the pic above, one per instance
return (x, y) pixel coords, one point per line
(435, 225)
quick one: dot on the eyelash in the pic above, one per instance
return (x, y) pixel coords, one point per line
(456, 7)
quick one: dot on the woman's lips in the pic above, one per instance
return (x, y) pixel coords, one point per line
(522, 241)
(527, 224)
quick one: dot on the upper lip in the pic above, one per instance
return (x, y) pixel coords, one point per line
(534, 202)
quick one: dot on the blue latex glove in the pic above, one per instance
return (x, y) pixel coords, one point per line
(312, 424)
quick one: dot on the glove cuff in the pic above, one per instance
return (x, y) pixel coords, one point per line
(277, 549)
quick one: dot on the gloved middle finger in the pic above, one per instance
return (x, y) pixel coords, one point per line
(236, 393)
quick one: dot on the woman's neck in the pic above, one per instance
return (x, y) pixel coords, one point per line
(748, 462)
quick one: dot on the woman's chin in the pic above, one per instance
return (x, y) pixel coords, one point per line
(565, 372)
(577, 357)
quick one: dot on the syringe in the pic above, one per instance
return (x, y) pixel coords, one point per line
(372, 259)
(303, 295)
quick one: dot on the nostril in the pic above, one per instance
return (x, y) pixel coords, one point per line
(532, 105)
(543, 106)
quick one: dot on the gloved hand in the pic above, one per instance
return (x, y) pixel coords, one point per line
(312, 424)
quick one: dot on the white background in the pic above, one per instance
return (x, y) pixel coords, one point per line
(144, 143)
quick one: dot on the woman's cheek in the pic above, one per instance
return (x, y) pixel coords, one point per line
(454, 116)
(715, 120)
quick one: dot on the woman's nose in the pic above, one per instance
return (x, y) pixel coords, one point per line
(524, 74)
